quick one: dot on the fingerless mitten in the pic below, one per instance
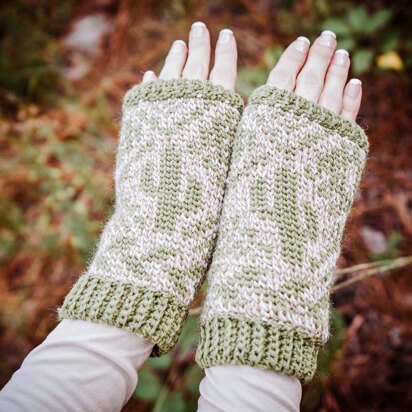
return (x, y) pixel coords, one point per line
(171, 167)
(294, 173)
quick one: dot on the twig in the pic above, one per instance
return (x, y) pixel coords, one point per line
(394, 264)
(356, 268)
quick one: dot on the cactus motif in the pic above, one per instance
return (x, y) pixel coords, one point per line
(295, 230)
(278, 201)
(168, 205)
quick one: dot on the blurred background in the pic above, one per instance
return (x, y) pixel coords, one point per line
(64, 67)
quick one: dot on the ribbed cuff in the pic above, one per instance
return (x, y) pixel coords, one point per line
(287, 100)
(268, 345)
(150, 314)
(160, 90)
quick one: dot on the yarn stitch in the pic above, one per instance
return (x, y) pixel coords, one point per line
(294, 172)
(171, 166)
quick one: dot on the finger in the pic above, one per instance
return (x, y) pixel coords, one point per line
(175, 61)
(197, 64)
(225, 68)
(283, 75)
(149, 76)
(351, 99)
(311, 78)
(336, 77)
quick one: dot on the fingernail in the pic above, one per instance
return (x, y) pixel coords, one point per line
(341, 57)
(198, 29)
(302, 44)
(327, 38)
(354, 87)
(224, 36)
(148, 75)
(178, 46)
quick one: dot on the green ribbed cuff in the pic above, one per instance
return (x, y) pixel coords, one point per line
(287, 100)
(160, 90)
(267, 345)
(150, 314)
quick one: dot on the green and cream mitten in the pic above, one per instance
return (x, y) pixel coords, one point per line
(295, 170)
(171, 167)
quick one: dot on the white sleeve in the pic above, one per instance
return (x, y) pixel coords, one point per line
(244, 388)
(81, 366)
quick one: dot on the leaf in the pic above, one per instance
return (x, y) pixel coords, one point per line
(379, 20)
(174, 403)
(390, 61)
(161, 363)
(362, 60)
(192, 378)
(189, 336)
(148, 386)
(358, 19)
(390, 41)
(346, 43)
(337, 25)
(249, 78)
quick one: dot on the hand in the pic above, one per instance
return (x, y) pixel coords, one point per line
(319, 73)
(193, 62)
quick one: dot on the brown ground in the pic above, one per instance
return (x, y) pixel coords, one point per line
(373, 370)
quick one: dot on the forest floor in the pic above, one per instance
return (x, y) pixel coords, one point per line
(56, 190)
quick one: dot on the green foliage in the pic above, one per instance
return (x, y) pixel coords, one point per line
(249, 78)
(362, 60)
(57, 164)
(327, 358)
(29, 52)
(364, 35)
(51, 157)
(149, 385)
(171, 382)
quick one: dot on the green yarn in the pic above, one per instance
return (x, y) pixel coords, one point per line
(230, 340)
(161, 90)
(151, 314)
(169, 207)
(172, 161)
(294, 173)
(286, 100)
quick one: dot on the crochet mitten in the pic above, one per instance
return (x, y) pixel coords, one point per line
(295, 169)
(171, 166)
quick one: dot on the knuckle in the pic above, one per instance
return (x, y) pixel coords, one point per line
(331, 102)
(338, 72)
(282, 77)
(195, 70)
(295, 56)
(224, 73)
(310, 79)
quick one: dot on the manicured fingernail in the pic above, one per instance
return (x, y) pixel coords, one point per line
(198, 29)
(327, 38)
(341, 57)
(302, 44)
(149, 75)
(178, 46)
(224, 36)
(354, 87)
